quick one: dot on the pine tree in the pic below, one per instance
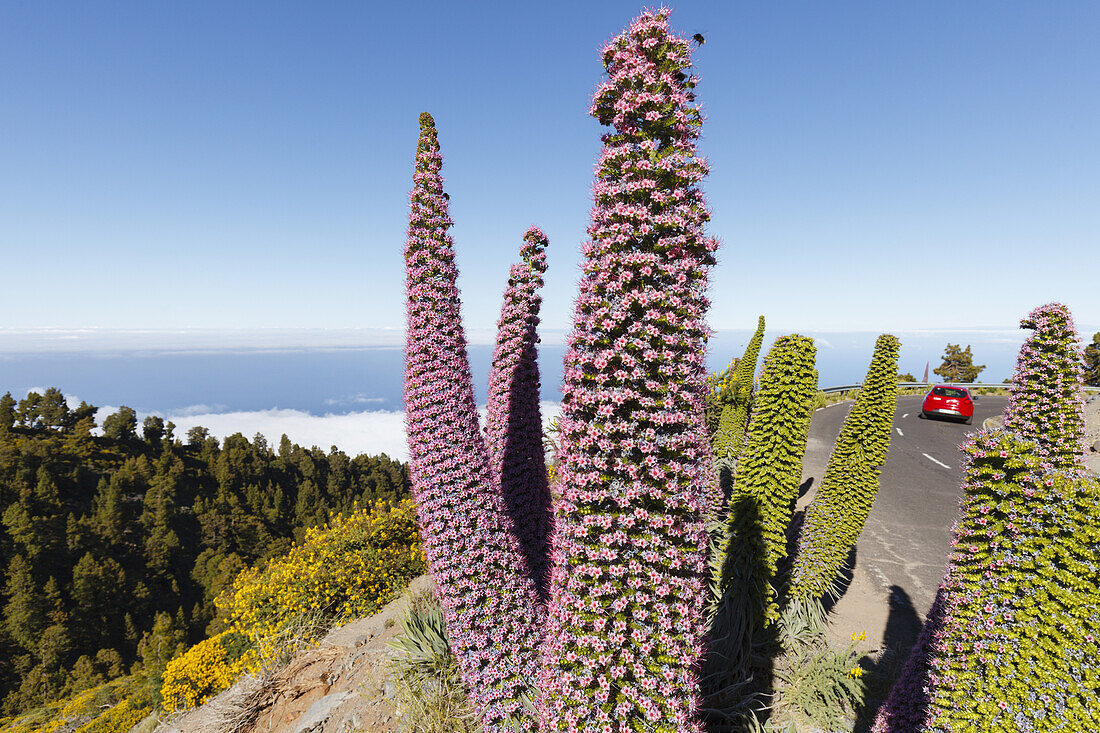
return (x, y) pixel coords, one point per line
(513, 429)
(835, 518)
(1091, 358)
(25, 613)
(625, 623)
(7, 413)
(489, 601)
(958, 365)
(121, 425)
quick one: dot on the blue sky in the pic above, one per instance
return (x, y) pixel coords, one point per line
(876, 166)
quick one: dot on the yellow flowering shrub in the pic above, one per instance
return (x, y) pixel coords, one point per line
(121, 717)
(114, 706)
(29, 724)
(201, 672)
(81, 702)
(349, 569)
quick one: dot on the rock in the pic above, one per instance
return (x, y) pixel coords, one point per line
(1095, 447)
(318, 712)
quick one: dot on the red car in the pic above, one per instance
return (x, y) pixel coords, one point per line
(947, 400)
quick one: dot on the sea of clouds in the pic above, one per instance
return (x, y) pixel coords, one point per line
(371, 431)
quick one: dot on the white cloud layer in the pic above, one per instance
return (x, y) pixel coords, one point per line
(371, 432)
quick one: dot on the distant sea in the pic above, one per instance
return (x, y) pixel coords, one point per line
(331, 392)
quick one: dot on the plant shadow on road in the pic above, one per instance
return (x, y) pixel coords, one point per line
(903, 626)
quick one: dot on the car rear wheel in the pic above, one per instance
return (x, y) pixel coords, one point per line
(970, 420)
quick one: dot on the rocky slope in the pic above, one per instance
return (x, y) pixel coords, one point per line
(339, 686)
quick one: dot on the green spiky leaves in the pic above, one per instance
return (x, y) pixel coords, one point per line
(1018, 649)
(735, 396)
(835, 518)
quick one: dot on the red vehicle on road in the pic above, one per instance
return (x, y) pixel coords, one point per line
(948, 400)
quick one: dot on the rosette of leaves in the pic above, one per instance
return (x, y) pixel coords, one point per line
(1045, 404)
(764, 491)
(513, 424)
(489, 601)
(736, 399)
(835, 517)
(625, 620)
(1011, 643)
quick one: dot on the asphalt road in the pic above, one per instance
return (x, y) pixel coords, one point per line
(901, 556)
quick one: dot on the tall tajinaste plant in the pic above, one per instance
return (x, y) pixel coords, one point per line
(625, 620)
(835, 518)
(764, 490)
(730, 436)
(513, 429)
(766, 482)
(1012, 638)
(490, 603)
(1046, 405)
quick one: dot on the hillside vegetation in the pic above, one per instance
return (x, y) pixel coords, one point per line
(115, 547)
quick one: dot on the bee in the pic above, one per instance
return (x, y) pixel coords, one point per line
(698, 38)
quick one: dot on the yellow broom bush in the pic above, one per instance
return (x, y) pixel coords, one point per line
(350, 569)
(346, 570)
(201, 672)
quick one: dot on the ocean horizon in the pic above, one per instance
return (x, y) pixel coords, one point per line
(344, 388)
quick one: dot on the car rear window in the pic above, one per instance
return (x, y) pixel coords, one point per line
(948, 392)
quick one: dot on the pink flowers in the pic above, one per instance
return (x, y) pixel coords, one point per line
(490, 603)
(1016, 613)
(1046, 402)
(513, 431)
(631, 404)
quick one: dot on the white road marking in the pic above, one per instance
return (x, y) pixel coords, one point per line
(941, 463)
(899, 432)
(905, 416)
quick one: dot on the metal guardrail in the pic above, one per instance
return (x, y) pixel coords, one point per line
(910, 385)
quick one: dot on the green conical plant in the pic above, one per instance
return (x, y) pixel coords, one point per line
(736, 396)
(1011, 642)
(835, 517)
(764, 490)
(1011, 639)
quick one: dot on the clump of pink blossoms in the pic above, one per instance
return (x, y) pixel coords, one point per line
(625, 620)
(490, 603)
(513, 426)
(1046, 397)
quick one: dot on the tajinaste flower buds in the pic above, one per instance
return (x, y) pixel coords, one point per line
(625, 621)
(489, 602)
(730, 436)
(835, 517)
(513, 426)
